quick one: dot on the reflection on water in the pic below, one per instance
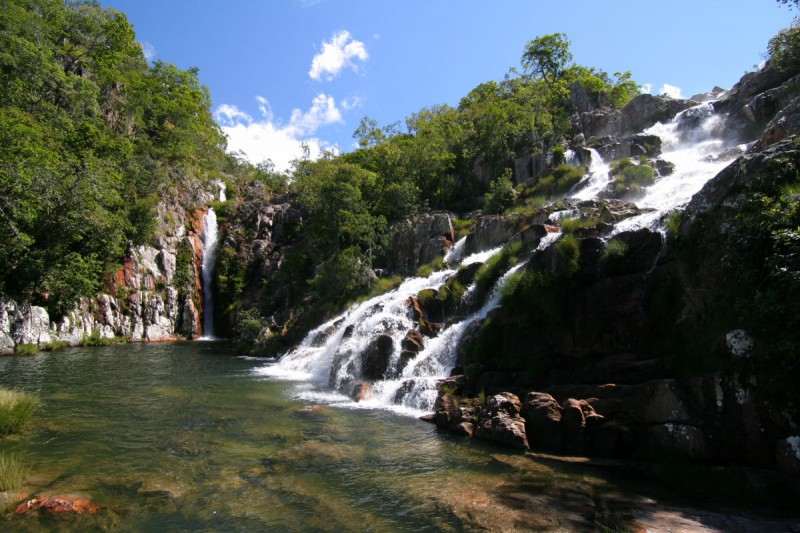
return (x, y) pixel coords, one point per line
(184, 437)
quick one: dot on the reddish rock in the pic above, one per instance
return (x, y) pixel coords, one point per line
(413, 342)
(58, 505)
(362, 391)
(542, 415)
(577, 416)
(501, 422)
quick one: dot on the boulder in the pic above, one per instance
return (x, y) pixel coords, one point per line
(375, 359)
(578, 417)
(58, 505)
(500, 421)
(542, 414)
(418, 241)
(490, 231)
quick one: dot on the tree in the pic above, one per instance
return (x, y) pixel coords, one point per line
(546, 57)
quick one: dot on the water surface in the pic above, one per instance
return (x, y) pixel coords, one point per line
(186, 437)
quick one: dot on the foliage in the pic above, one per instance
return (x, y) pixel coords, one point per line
(673, 223)
(27, 349)
(560, 182)
(783, 50)
(55, 346)
(91, 135)
(494, 268)
(615, 250)
(569, 253)
(12, 473)
(95, 339)
(501, 194)
(546, 57)
(630, 176)
(570, 225)
(16, 409)
(463, 227)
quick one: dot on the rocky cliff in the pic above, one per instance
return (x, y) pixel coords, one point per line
(154, 296)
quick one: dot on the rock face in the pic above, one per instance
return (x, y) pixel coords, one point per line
(500, 421)
(640, 113)
(155, 296)
(418, 241)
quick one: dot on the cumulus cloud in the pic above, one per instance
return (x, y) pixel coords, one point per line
(671, 91)
(339, 53)
(269, 139)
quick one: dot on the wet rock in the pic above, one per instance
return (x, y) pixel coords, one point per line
(682, 439)
(361, 391)
(500, 421)
(375, 359)
(664, 168)
(58, 505)
(542, 414)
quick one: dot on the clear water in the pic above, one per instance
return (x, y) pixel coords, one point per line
(185, 437)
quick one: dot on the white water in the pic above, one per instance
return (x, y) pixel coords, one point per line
(328, 361)
(596, 180)
(210, 238)
(696, 153)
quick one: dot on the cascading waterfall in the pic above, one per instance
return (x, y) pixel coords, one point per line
(596, 180)
(330, 360)
(210, 242)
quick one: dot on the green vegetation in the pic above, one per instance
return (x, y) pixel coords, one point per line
(673, 223)
(557, 184)
(614, 251)
(95, 339)
(494, 268)
(27, 349)
(784, 49)
(630, 176)
(92, 137)
(568, 249)
(570, 225)
(12, 473)
(463, 227)
(16, 409)
(501, 194)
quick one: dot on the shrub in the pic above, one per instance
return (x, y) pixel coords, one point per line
(673, 223)
(569, 253)
(55, 346)
(16, 409)
(614, 250)
(559, 157)
(501, 195)
(631, 177)
(27, 349)
(12, 474)
(569, 225)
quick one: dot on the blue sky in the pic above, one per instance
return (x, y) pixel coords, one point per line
(282, 72)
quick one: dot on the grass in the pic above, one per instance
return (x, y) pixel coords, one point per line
(494, 268)
(96, 340)
(563, 178)
(12, 473)
(16, 409)
(614, 250)
(463, 227)
(673, 223)
(27, 349)
(570, 225)
(426, 270)
(55, 346)
(384, 285)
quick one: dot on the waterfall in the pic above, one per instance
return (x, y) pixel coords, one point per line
(210, 238)
(331, 362)
(595, 180)
(693, 142)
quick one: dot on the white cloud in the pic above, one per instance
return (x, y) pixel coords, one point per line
(671, 91)
(351, 103)
(336, 55)
(647, 88)
(149, 51)
(268, 138)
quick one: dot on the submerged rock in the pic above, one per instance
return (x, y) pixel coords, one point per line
(58, 505)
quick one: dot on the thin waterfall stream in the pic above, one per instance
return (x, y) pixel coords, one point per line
(210, 244)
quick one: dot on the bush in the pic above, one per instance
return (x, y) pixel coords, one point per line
(12, 474)
(632, 177)
(501, 195)
(27, 349)
(784, 49)
(16, 409)
(569, 253)
(614, 250)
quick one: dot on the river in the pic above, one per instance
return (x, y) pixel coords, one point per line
(186, 437)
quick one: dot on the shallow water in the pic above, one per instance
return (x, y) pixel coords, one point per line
(185, 437)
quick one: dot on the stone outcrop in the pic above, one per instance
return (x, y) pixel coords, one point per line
(640, 113)
(490, 231)
(500, 421)
(418, 241)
